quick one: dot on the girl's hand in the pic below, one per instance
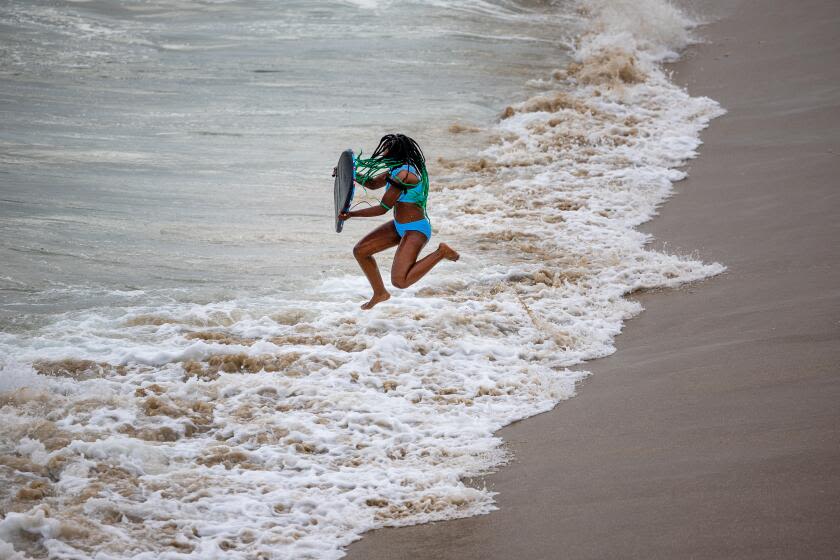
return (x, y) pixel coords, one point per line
(344, 216)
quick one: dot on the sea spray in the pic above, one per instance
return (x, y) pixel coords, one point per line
(271, 427)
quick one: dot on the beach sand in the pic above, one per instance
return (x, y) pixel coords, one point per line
(714, 430)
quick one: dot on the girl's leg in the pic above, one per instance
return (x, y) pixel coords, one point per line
(406, 269)
(383, 237)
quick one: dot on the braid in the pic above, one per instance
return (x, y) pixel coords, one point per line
(401, 148)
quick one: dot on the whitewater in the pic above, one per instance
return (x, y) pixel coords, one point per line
(287, 423)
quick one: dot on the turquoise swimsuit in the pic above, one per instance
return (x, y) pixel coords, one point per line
(415, 195)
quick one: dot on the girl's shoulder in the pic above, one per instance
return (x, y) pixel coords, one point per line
(404, 167)
(405, 181)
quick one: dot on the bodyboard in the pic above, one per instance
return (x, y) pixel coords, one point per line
(344, 185)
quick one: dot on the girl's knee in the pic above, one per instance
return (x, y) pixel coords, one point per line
(399, 281)
(359, 251)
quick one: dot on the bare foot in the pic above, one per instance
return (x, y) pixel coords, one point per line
(449, 253)
(377, 298)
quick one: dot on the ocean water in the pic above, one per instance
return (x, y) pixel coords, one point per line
(188, 145)
(184, 370)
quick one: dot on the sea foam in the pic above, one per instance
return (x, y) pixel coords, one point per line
(285, 428)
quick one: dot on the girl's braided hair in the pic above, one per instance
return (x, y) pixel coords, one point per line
(400, 148)
(393, 151)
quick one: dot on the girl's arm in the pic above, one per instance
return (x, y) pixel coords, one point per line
(363, 213)
(388, 201)
(376, 183)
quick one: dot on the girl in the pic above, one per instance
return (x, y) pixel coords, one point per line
(406, 190)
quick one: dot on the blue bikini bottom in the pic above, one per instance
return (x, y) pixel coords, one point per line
(423, 226)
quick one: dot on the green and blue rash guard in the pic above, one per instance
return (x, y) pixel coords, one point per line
(417, 194)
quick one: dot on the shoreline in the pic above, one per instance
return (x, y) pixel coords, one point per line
(712, 431)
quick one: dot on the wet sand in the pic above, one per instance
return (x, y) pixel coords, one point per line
(714, 430)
